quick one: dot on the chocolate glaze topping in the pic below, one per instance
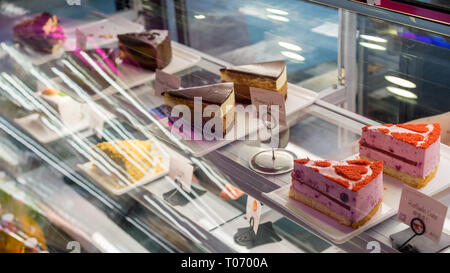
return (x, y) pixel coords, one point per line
(213, 94)
(154, 37)
(267, 69)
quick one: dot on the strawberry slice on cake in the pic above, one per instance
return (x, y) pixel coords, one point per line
(348, 191)
(410, 152)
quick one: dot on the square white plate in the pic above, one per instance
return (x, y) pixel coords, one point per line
(111, 184)
(338, 233)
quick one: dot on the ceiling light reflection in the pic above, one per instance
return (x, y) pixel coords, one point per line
(373, 38)
(290, 46)
(293, 55)
(372, 46)
(277, 11)
(278, 18)
(401, 92)
(199, 16)
(400, 81)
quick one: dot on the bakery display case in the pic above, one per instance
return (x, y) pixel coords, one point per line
(96, 154)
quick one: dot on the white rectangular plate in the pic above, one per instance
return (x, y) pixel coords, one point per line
(39, 131)
(111, 185)
(298, 98)
(339, 234)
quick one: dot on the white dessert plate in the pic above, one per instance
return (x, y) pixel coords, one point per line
(33, 125)
(132, 76)
(111, 184)
(298, 99)
(339, 234)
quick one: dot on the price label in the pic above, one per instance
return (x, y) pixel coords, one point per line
(253, 213)
(165, 81)
(422, 213)
(181, 170)
(274, 102)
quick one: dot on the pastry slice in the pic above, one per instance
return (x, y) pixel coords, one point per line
(42, 33)
(267, 75)
(348, 191)
(410, 152)
(221, 94)
(150, 50)
(132, 158)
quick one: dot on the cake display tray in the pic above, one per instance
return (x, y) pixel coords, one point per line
(298, 99)
(110, 184)
(337, 233)
(132, 76)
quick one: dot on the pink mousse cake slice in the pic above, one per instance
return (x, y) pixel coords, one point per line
(347, 191)
(410, 152)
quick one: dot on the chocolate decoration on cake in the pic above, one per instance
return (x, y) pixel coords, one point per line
(220, 94)
(150, 50)
(42, 33)
(212, 94)
(268, 75)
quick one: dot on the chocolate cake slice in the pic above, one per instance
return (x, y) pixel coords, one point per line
(149, 50)
(221, 94)
(42, 33)
(267, 75)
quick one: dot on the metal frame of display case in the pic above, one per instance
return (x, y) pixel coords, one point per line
(325, 107)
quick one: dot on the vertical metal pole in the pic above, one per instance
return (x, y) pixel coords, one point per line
(347, 57)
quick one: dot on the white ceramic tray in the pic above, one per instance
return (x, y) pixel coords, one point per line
(132, 76)
(111, 184)
(339, 234)
(33, 125)
(298, 98)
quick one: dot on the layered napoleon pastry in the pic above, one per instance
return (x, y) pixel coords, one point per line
(221, 95)
(267, 75)
(132, 158)
(410, 152)
(348, 191)
(150, 50)
(70, 111)
(42, 33)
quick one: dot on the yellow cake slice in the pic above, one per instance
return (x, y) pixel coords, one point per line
(133, 157)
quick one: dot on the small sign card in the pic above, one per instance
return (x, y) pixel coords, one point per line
(424, 214)
(165, 81)
(266, 97)
(181, 169)
(253, 212)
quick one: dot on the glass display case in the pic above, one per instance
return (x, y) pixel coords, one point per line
(89, 161)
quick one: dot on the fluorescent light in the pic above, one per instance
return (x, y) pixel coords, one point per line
(290, 46)
(401, 92)
(372, 46)
(400, 81)
(199, 16)
(278, 18)
(373, 38)
(293, 55)
(277, 11)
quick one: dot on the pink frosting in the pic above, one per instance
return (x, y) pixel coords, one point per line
(427, 159)
(352, 205)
